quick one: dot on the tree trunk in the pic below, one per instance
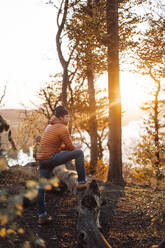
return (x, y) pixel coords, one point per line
(100, 147)
(63, 62)
(89, 204)
(65, 84)
(92, 122)
(114, 140)
(156, 127)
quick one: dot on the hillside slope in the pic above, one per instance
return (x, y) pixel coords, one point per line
(127, 217)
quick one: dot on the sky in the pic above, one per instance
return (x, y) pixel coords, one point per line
(27, 48)
(28, 54)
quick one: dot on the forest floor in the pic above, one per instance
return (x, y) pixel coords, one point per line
(132, 217)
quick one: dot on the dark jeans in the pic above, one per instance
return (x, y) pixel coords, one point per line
(46, 167)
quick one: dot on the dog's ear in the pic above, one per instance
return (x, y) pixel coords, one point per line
(3, 125)
(6, 127)
(93, 187)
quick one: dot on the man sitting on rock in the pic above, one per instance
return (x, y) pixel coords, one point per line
(56, 148)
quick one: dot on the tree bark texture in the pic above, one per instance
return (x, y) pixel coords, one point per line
(156, 127)
(89, 205)
(92, 121)
(115, 133)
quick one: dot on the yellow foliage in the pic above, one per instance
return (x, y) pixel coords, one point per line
(3, 219)
(19, 206)
(54, 181)
(21, 231)
(48, 187)
(10, 231)
(143, 173)
(3, 198)
(19, 213)
(32, 125)
(2, 232)
(101, 170)
(27, 245)
(31, 184)
(43, 180)
(31, 194)
(87, 166)
(3, 163)
(40, 242)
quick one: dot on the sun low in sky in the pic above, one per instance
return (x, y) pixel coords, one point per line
(133, 89)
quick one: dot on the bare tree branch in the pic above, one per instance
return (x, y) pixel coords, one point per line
(73, 49)
(59, 12)
(3, 95)
(60, 28)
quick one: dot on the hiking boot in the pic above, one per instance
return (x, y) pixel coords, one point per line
(44, 220)
(82, 185)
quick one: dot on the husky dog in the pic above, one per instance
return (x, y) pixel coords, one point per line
(88, 225)
(4, 126)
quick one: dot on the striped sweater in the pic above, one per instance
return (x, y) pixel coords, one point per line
(54, 139)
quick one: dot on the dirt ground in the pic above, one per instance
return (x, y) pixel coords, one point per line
(128, 218)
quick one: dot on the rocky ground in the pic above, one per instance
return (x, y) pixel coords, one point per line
(131, 218)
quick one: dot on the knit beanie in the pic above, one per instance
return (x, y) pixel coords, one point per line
(60, 111)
